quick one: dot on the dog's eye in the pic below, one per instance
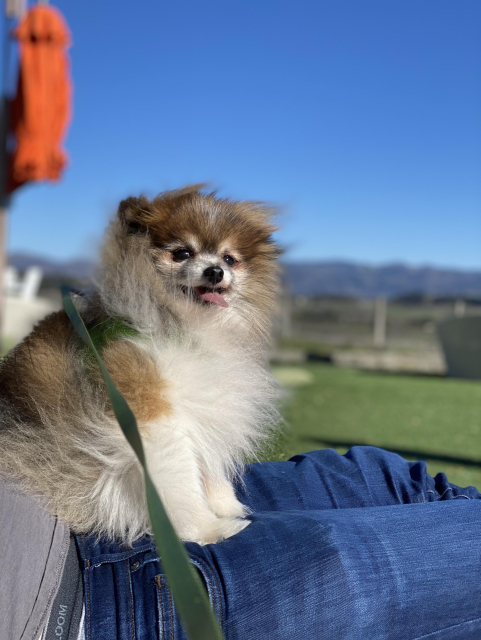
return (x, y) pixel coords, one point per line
(179, 255)
(229, 260)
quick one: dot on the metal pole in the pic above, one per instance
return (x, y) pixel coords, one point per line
(3, 244)
(4, 198)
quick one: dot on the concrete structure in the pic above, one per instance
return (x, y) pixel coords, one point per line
(410, 362)
(26, 288)
(22, 308)
(461, 341)
(22, 315)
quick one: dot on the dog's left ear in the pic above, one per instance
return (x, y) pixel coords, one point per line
(133, 213)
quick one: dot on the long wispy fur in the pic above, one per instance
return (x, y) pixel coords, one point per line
(194, 373)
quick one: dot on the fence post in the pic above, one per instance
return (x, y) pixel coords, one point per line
(459, 308)
(286, 312)
(380, 321)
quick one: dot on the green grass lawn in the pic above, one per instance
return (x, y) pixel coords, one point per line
(434, 419)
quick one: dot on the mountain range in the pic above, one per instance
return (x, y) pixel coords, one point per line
(322, 278)
(390, 280)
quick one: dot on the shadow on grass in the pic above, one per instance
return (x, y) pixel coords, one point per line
(407, 374)
(418, 455)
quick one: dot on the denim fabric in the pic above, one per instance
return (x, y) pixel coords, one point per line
(364, 545)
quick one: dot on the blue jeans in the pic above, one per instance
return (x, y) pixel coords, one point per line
(364, 545)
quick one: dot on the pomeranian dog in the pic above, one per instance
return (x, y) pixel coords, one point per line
(185, 289)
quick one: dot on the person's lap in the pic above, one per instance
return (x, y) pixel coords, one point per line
(363, 477)
(346, 547)
(365, 545)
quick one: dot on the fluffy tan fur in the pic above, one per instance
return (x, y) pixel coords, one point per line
(194, 375)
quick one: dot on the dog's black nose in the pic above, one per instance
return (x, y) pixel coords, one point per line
(214, 274)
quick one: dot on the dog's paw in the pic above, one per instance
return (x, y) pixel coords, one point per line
(227, 506)
(221, 529)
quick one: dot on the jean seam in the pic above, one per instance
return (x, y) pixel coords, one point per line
(440, 497)
(132, 622)
(161, 606)
(171, 609)
(216, 585)
(87, 584)
(120, 557)
(454, 626)
(444, 492)
(87, 588)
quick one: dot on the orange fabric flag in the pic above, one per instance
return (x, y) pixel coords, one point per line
(41, 111)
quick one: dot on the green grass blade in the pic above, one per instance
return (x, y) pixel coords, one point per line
(187, 590)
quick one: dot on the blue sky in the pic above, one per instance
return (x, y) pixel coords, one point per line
(361, 119)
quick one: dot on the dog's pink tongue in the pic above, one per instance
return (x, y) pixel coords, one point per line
(213, 296)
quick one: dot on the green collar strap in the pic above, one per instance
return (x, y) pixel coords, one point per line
(110, 329)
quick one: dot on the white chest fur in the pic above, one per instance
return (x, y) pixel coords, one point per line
(223, 405)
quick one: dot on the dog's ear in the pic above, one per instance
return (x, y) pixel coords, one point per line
(178, 195)
(133, 213)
